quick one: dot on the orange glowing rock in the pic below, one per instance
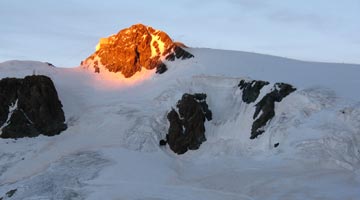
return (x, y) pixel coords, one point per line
(102, 42)
(133, 49)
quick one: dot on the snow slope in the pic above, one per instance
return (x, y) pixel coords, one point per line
(110, 150)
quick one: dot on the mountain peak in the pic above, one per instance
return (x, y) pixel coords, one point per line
(134, 48)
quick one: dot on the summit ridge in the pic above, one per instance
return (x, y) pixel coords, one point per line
(135, 48)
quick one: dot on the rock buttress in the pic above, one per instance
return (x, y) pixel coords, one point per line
(187, 130)
(30, 107)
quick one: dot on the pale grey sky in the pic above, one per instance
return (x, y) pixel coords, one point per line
(65, 32)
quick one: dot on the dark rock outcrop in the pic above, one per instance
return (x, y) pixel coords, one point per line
(251, 90)
(30, 107)
(187, 130)
(161, 68)
(178, 53)
(11, 193)
(265, 108)
(162, 143)
(134, 48)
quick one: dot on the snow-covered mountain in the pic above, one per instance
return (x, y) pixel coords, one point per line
(310, 149)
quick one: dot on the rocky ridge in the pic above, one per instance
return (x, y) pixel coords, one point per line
(135, 48)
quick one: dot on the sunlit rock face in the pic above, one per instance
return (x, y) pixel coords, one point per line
(133, 49)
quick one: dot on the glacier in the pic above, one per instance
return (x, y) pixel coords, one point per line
(110, 149)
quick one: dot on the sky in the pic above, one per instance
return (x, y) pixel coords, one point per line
(67, 31)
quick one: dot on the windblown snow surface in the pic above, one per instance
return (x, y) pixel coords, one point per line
(110, 149)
